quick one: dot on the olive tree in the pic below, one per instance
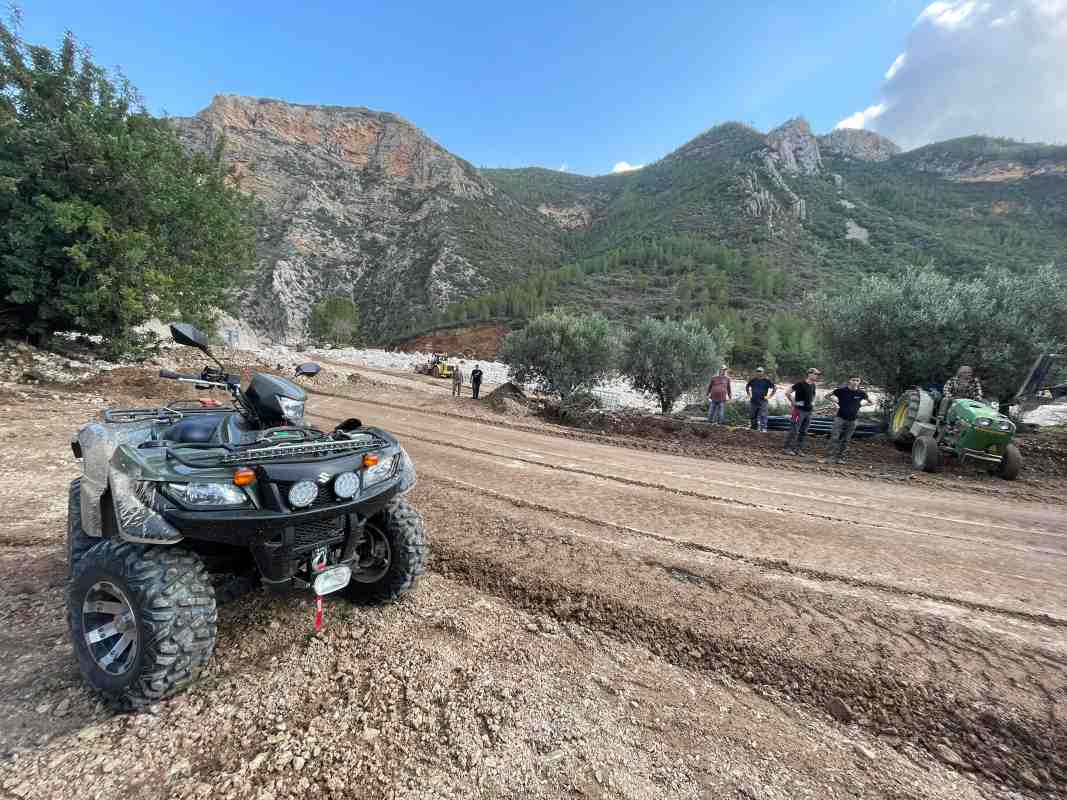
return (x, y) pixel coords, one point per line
(920, 326)
(562, 353)
(665, 358)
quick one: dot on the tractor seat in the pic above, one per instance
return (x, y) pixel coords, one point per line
(193, 429)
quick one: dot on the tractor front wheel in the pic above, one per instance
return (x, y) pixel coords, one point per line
(1011, 464)
(926, 455)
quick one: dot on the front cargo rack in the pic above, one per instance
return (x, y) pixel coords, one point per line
(332, 447)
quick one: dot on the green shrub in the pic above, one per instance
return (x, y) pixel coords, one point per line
(667, 358)
(562, 353)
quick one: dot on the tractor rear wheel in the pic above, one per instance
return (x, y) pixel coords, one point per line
(912, 406)
(436, 371)
(1011, 464)
(926, 455)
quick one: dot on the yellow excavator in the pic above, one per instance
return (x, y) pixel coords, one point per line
(438, 366)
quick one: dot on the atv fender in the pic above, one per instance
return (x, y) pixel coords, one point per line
(134, 515)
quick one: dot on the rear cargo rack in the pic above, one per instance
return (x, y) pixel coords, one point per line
(332, 447)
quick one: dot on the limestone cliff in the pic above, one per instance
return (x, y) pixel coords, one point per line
(360, 203)
(795, 147)
(859, 144)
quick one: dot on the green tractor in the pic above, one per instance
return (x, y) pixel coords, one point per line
(967, 430)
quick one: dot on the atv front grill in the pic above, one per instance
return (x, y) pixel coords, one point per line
(315, 534)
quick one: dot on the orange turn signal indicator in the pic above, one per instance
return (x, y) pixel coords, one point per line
(371, 459)
(244, 476)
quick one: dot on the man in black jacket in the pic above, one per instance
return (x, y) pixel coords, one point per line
(476, 380)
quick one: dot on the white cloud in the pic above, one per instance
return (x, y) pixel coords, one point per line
(991, 67)
(861, 118)
(623, 166)
(949, 15)
(894, 68)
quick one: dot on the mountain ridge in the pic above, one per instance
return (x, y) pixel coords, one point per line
(363, 203)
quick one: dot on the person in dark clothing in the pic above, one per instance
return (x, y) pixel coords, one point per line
(801, 397)
(848, 400)
(758, 399)
(476, 380)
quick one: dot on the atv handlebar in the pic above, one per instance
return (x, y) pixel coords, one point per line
(177, 376)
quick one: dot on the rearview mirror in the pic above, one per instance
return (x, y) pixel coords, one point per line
(309, 368)
(186, 334)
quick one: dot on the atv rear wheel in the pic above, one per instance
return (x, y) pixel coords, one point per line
(391, 558)
(926, 455)
(1011, 463)
(142, 620)
(78, 541)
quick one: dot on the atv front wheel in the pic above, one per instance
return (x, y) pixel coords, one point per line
(391, 558)
(1011, 463)
(78, 541)
(142, 620)
(926, 455)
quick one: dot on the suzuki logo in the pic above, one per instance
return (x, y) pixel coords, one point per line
(324, 477)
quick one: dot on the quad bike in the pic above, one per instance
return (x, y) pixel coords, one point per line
(967, 430)
(174, 499)
(438, 367)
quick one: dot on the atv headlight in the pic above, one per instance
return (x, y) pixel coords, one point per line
(207, 494)
(346, 485)
(1005, 425)
(380, 471)
(292, 410)
(303, 494)
(984, 422)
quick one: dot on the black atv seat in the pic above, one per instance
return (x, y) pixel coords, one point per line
(193, 429)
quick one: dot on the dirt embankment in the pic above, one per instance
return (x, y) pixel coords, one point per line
(472, 341)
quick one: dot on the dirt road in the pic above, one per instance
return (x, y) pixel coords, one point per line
(597, 622)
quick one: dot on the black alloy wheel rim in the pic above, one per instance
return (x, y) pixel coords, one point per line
(373, 556)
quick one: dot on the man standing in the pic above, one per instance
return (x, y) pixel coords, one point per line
(848, 400)
(801, 397)
(457, 380)
(719, 392)
(476, 380)
(758, 399)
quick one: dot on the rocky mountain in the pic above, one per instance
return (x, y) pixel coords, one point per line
(363, 203)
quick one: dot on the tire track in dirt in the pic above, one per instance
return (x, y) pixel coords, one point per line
(738, 503)
(776, 565)
(1033, 493)
(925, 692)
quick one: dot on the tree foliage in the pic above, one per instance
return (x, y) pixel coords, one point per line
(334, 320)
(667, 358)
(920, 326)
(562, 353)
(105, 220)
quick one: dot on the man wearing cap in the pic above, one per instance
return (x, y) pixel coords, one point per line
(801, 397)
(758, 399)
(719, 391)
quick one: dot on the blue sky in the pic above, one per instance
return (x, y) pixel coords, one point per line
(581, 84)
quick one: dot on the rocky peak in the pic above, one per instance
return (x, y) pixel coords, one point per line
(795, 147)
(859, 144)
(370, 141)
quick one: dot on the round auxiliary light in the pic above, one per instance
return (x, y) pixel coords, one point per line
(346, 485)
(303, 494)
